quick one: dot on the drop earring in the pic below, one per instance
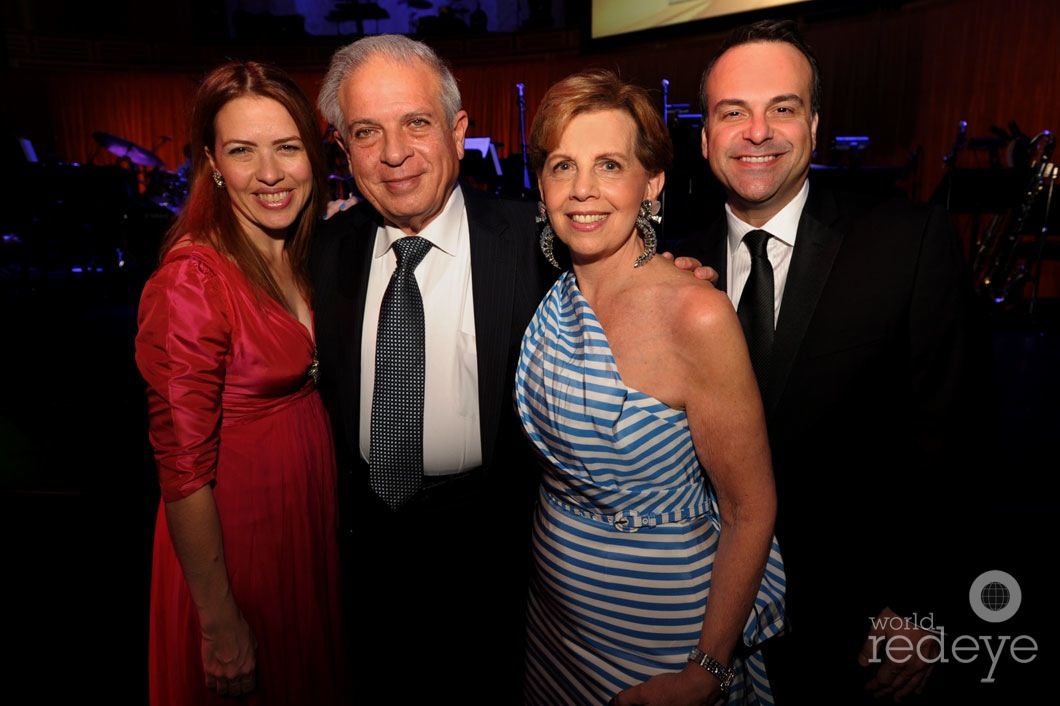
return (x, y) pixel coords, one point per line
(649, 212)
(547, 235)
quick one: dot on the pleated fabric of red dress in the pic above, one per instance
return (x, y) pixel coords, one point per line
(231, 402)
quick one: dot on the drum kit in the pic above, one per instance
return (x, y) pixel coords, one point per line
(161, 187)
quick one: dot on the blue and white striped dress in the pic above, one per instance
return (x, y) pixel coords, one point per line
(626, 526)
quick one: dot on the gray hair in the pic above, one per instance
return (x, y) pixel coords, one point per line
(394, 47)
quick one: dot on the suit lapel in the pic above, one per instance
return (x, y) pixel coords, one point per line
(716, 252)
(493, 285)
(355, 261)
(816, 247)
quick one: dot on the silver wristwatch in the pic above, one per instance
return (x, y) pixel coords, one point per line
(722, 673)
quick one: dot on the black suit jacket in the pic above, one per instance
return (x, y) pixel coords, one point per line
(447, 572)
(509, 277)
(878, 405)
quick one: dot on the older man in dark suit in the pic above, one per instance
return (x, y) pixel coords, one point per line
(871, 363)
(435, 576)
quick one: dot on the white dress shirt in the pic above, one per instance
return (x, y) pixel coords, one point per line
(452, 439)
(784, 226)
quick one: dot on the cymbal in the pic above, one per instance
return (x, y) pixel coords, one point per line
(129, 150)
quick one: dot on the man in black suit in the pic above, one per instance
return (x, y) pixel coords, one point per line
(872, 384)
(435, 588)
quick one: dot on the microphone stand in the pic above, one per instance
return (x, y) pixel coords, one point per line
(527, 186)
(666, 101)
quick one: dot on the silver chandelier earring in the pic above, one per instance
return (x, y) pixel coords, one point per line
(649, 212)
(547, 235)
(218, 179)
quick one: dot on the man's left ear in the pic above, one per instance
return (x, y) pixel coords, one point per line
(459, 131)
(342, 146)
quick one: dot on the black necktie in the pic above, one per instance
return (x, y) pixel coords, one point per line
(396, 447)
(756, 305)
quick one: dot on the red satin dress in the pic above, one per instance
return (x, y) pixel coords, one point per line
(231, 402)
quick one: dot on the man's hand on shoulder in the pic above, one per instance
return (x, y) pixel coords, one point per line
(697, 268)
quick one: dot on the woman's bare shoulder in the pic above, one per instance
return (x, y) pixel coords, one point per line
(696, 297)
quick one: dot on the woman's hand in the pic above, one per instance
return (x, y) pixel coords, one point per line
(692, 686)
(229, 658)
(228, 646)
(339, 205)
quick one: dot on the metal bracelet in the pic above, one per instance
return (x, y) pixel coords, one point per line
(722, 673)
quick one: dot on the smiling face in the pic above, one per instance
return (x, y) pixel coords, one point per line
(404, 154)
(266, 170)
(592, 185)
(760, 131)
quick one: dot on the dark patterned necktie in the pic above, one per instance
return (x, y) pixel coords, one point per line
(756, 305)
(396, 447)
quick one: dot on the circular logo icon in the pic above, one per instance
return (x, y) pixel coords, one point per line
(995, 596)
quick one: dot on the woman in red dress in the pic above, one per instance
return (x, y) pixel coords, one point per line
(244, 585)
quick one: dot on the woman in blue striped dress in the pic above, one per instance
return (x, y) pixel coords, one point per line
(656, 575)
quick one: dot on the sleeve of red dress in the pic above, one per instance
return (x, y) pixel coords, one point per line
(181, 348)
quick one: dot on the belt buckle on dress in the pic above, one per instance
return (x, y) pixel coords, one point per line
(627, 521)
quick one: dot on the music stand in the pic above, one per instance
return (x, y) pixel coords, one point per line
(481, 164)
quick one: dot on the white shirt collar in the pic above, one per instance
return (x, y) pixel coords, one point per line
(783, 226)
(443, 231)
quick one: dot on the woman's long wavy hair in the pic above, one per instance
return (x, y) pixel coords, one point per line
(208, 214)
